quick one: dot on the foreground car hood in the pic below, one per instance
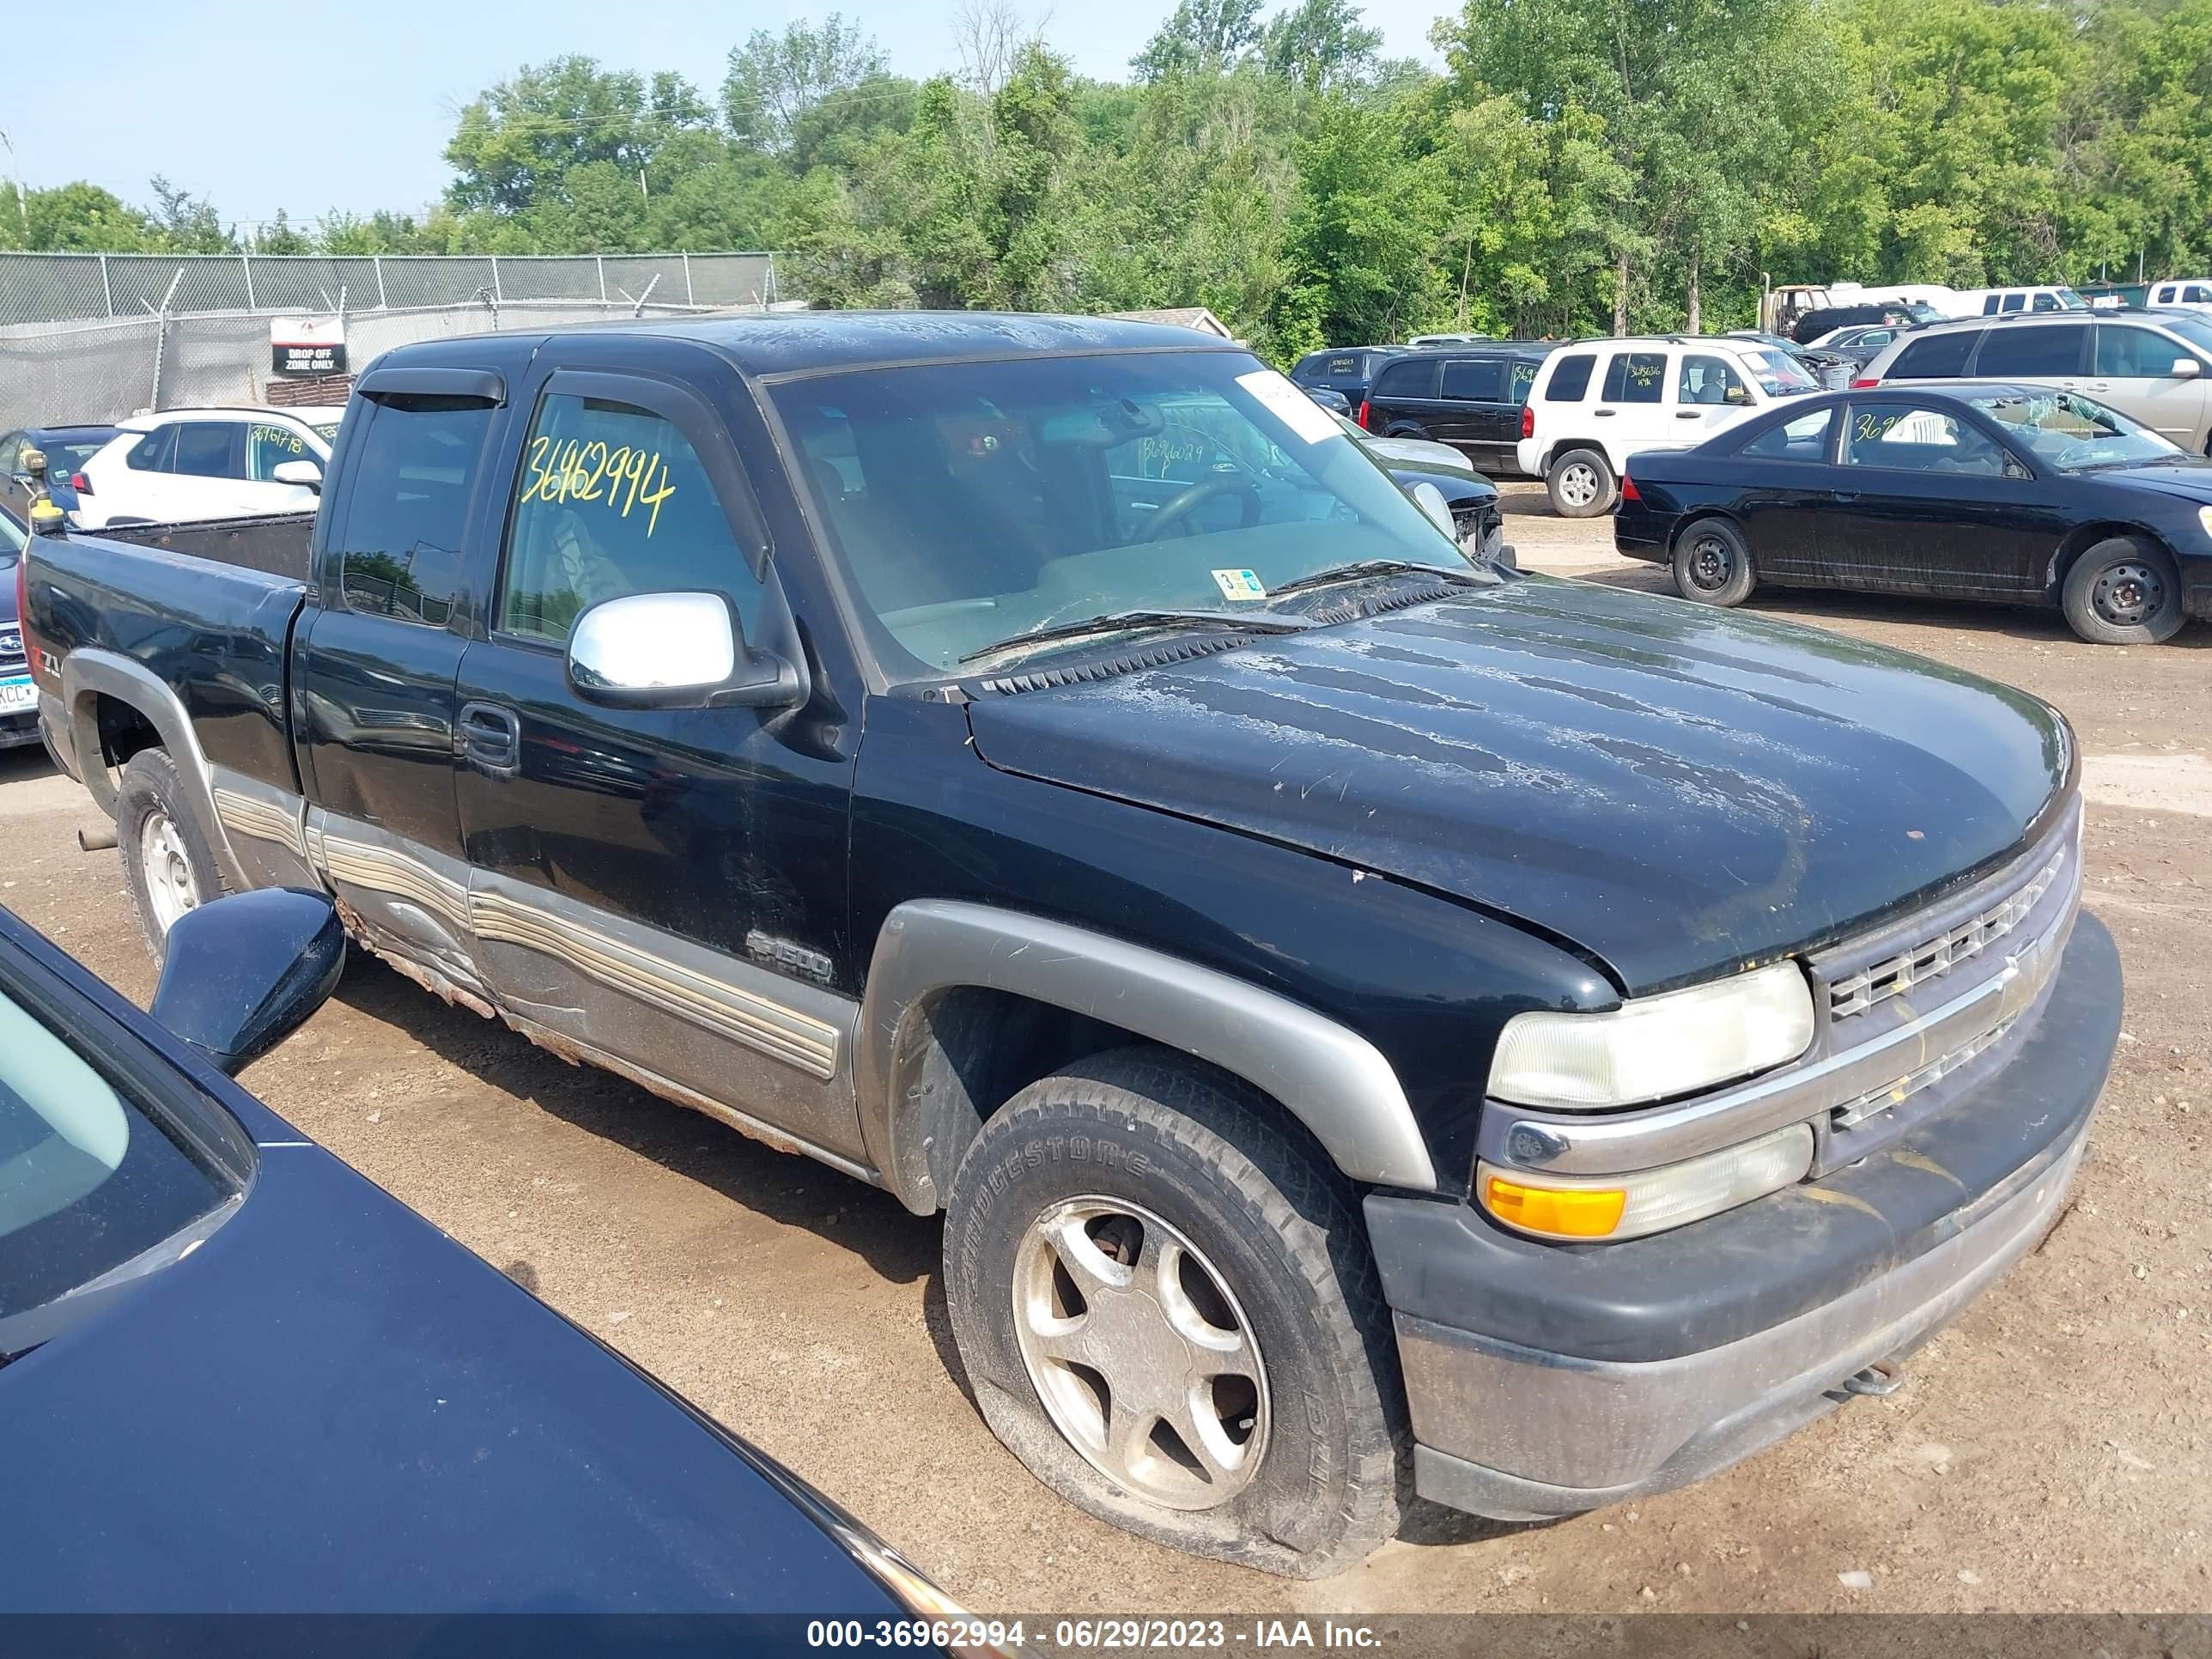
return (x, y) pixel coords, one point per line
(2185, 475)
(1677, 789)
(330, 1407)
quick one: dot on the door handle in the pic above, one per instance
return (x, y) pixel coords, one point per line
(1686, 414)
(1603, 411)
(1843, 495)
(489, 738)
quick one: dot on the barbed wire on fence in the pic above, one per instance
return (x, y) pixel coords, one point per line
(46, 287)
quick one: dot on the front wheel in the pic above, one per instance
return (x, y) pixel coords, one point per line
(1581, 484)
(2124, 592)
(1712, 565)
(1165, 1303)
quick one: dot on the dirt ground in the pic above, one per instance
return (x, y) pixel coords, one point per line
(2049, 1453)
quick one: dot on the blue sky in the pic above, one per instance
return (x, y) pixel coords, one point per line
(313, 107)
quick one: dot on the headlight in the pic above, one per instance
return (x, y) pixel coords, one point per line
(1651, 1200)
(1654, 1047)
(2204, 518)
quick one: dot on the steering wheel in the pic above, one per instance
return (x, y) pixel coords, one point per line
(1179, 505)
(2078, 454)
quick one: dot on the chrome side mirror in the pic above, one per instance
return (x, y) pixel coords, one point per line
(673, 651)
(308, 475)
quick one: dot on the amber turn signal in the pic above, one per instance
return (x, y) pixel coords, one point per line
(1563, 1212)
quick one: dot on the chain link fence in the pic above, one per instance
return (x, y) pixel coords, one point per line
(52, 374)
(58, 287)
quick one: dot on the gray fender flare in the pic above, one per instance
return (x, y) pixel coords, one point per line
(90, 672)
(1330, 1078)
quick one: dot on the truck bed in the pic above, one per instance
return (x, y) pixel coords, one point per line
(276, 543)
(191, 606)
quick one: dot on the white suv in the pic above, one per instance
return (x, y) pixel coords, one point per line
(1597, 402)
(208, 464)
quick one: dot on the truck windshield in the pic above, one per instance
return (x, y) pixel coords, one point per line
(88, 1183)
(973, 502)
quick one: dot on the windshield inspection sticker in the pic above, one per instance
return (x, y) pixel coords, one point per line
(1239, 585)
(1291, 406)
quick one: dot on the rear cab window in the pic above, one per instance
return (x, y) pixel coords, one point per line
(399, 542)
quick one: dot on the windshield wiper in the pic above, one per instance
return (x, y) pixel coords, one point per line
(1365, 567)
(1117, 621)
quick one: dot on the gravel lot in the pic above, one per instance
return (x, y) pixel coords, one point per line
(2048, 1455)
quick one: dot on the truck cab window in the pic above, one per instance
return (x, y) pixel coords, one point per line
(399, 544)
(613, 499)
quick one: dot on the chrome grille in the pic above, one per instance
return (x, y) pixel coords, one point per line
(1852, 1113)
(1858, 992)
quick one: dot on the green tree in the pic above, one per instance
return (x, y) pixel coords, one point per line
(775, 80)
(1202, 37)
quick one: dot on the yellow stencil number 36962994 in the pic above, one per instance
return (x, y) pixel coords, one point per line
(622, 479)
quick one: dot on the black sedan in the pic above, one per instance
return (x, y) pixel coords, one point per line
(236, 1378)
(1978, 490)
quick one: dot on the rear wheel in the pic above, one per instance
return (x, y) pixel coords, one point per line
(1165, 1304)
(1712, 565)
(2124, 592)
(168, 863)
(1581, 484)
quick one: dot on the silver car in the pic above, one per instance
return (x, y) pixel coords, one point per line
(2153, 365)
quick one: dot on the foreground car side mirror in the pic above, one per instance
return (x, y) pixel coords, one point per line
(308, 475)
(240, 975)
(2185, 368)
(675, 651)
(1431, 501)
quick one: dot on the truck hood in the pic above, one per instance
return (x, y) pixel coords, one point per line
(1676, 789)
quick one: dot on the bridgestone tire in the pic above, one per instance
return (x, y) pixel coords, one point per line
(1281, 1228)
(2113, 572)
(1581, 484)
(149, 792)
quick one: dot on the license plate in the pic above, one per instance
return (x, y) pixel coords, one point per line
(17, 695)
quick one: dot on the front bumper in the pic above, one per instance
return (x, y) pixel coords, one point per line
(1577, 1385)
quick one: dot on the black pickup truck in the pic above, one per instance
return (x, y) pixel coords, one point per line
(1375, 1022)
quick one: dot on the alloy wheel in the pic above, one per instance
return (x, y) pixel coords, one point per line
(1141, 1353)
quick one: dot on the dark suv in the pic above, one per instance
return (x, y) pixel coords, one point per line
(1468, 397)
(1348, 370)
